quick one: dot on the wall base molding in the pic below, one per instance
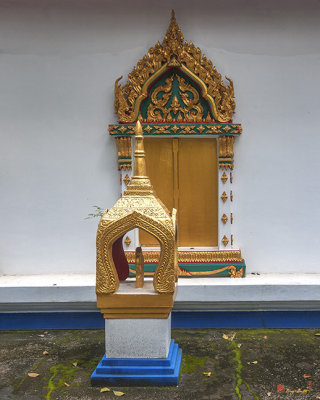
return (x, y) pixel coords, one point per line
(76, 293)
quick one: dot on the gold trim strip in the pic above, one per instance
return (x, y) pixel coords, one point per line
(190, 256)
(108, 315)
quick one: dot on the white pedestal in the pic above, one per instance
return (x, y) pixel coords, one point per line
(138, 338)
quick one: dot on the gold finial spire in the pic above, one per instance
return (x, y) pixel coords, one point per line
(140, 184)
(174, 37)
(139, 154)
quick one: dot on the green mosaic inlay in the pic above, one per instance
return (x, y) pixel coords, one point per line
(175, 92)
(200, 268)
(177, 129)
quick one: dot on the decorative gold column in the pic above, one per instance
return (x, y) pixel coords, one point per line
(124, 152)
(226, 152)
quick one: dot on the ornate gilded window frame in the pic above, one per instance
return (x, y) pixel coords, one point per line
(206, 114)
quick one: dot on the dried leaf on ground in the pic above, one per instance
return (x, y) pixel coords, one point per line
(66, 384)
(207, 373)
(104, 389)
(33, 374)
(45, 353)
(231, 337)
(75, 363)
(226, 337)
(269, 394)
(118, 393)
(40, 335)
(307, 376)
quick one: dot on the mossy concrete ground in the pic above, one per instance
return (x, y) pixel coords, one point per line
(217, 364)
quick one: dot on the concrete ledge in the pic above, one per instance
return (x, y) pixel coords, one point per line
(34, 293)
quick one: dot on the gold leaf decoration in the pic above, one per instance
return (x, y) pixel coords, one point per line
(127, 241)
(175, 52)
(224, 197)
(165, 107)
(224, 218)
(225, 240)
(126, 179)
(224, 177)
(191, 256)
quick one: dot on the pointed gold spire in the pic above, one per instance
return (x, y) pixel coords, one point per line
(140, 184)
(139, 154)
(174, 37)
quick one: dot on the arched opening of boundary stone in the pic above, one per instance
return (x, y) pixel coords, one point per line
(140, 263)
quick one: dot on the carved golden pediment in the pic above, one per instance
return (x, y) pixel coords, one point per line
(175, 53)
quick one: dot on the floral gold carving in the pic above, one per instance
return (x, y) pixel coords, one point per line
(152, 129)
(231, 195)
(126, 179)
(224, 218)
(127, 241)
(213, 128)
(224, 177)
(224, 197)
(225, 240)
(165, 107)
(148, 128)
(234, 273)
(231, 177)
(174, 51)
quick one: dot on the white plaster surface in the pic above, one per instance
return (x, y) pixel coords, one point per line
(58, 64)
(77, 293)
(138, 338)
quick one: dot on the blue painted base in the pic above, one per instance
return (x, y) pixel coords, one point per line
(139, 371)
(181, 320)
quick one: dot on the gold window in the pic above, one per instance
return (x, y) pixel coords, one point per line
(183, 172)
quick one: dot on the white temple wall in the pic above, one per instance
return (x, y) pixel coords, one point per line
(58, 64)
